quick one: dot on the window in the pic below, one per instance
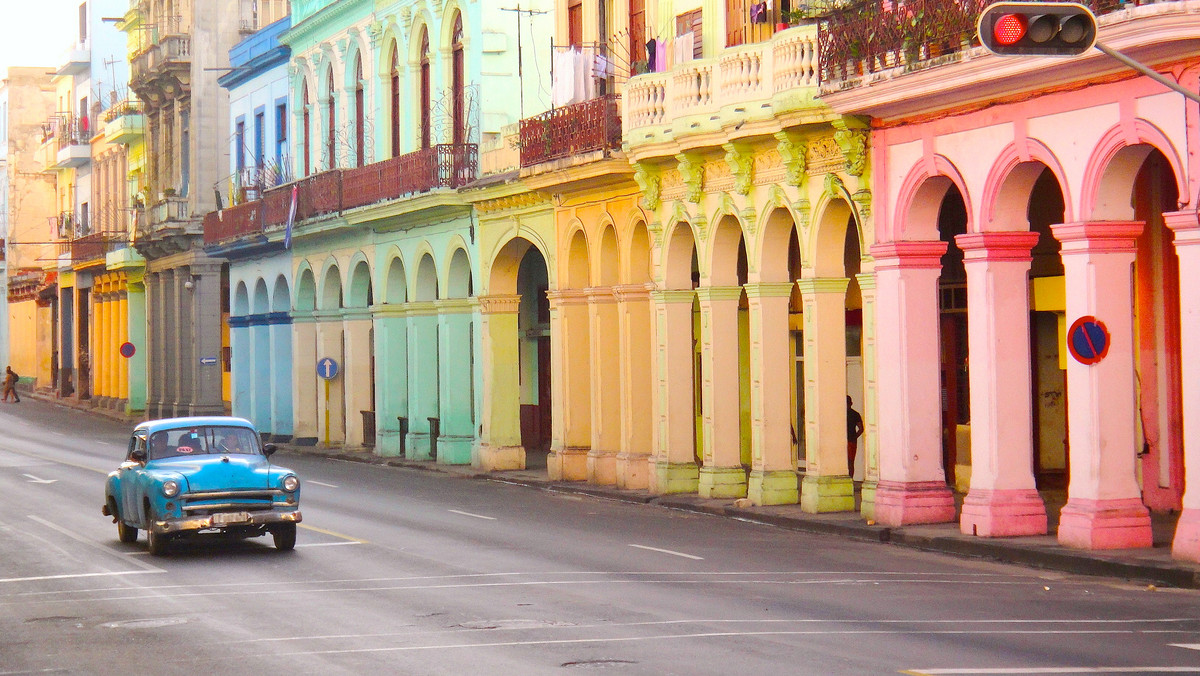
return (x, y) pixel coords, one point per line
(330, 117)
(83, 33)
(395, 100)
(426, 132)
(458, 84)
(359, 114)
(306, 128)
(239, 145)
(280, 139)
(637, 31)
(575, 23)
(259, 124)
(691, 22)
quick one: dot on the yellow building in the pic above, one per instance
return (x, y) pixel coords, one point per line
(27, 98)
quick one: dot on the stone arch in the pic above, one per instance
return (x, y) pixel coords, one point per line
(1009, 183)
(361, 294)
(831, 225)
(281, 296)
(306, 289)
(608, 258)
(724, 244)
(577, 259)
(920, 199)
(396, 280)
(421, 22)
(774, 241)
(459, 283)
(506, 262)
(261, 302)
(241, 300)
(638, 266)
(427, 279)
(679, 253)
(1114, 164)
(330, 297)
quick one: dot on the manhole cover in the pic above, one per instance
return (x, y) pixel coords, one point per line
(149, 623)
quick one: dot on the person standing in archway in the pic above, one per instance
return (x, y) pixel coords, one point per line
(854, 430)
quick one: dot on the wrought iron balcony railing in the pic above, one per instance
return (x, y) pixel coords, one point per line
(441, 166)
(868, 36)
(94, 246)
(588, 126)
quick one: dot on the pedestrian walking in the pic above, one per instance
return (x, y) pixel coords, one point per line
(854, 430)
(10, 384)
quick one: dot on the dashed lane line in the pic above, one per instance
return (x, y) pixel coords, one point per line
(477, 516)
(668, 551)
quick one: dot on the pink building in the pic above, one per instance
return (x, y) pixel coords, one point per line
(1013, 198)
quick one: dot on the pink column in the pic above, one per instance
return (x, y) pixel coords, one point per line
(1104, 508)
(912, 482)
(1003, 499)
(1186, 225)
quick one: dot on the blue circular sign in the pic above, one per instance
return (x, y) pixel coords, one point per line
(128, 350)
(1088, 340)
(327, 368)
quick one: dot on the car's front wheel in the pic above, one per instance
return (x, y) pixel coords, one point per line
(156, 542)
(125, 532)
(285, 536)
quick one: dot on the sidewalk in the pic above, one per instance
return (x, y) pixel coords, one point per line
(1152, 566)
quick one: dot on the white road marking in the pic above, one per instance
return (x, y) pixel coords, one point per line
(667, 551)
(90, 543)
(74, 575)
(319, 483)
(36, 480)
(1189, 646)
(477, 516)
(329, 544)
(1051, 670)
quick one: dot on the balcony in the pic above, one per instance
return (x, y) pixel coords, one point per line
(93, 247)
(742, 84)
(76, 60)
(440, 166)
(559, 133)
(165, 64)
(70, 138)
(867, 38)
(237, 221)
(171, 211)
(124, 122)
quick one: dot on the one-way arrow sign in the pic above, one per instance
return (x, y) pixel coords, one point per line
(36, 480)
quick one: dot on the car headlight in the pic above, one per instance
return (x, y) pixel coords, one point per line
(291, 483)
(170, 488)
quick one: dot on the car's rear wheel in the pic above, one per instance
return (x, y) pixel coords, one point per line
(285, 536)
(156, 542)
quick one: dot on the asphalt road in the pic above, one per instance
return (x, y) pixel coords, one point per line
(402, 571)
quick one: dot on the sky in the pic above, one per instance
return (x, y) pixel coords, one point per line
(36, 32)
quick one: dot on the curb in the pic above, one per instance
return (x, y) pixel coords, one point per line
(1045, 557)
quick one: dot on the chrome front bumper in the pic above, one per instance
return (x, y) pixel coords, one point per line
(195, 523)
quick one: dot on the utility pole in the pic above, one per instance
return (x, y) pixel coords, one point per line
(520, 51)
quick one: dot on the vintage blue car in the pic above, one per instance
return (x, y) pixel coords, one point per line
(184, 476)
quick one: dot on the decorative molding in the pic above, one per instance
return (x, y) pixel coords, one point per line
(522, 200)
(794, 154)
(803, 213)
(691, 170)
(740, 159)
(835, 188)
(406, 17)
(825, 156)
(853, 144)
(862, 198)
(649, 181)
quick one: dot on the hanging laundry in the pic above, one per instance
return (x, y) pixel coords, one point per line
(563, 88)
(684, 47)
(651, 55)
(758, 13)
(602, 67)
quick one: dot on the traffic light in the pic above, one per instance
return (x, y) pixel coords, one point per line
(1037, 28)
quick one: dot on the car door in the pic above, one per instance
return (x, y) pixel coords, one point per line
(130, 471)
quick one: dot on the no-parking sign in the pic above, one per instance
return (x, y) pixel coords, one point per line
(1088, 340)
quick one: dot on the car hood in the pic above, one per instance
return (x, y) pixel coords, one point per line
(223, 472)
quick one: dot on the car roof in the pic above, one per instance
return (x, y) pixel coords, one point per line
(152, 426)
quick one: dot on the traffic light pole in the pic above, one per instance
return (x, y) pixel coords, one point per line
(1148, 72)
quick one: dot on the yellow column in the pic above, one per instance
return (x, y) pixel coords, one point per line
(722, 475)
(500, 443)
(637, 386)
(827, 486)
(570, 363)
(604, 332)
(772, 475)
(675, 467)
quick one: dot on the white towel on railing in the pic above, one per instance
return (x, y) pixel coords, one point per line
(684, 47)
(562, 91)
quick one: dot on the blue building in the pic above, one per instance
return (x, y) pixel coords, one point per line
(259, 340)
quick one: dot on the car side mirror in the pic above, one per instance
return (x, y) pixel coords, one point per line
(268, 449)
(138, 455)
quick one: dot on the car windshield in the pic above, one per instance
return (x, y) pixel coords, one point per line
(203, 440)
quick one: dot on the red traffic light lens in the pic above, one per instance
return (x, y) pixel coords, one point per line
(1009, 29)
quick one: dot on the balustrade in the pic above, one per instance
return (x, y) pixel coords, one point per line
(589, 126)
(740, 76)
